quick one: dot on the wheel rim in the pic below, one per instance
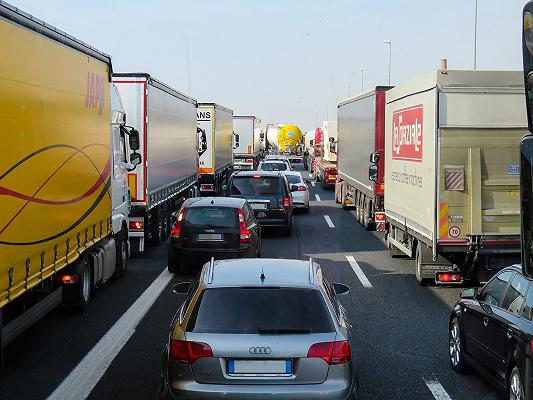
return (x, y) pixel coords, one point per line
(455, 345)
(86, 284)
(516, 387)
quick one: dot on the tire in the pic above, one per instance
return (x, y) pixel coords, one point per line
(122, 254)
(79, 295)
(323, 185)
(418, 267)
(515, 386)
(366, 215)
(157, 226)
(455, 347)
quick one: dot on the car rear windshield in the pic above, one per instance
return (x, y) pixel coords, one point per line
(294, 179)
(274, 166)
(261, 310)
(213, 217)
(255, 185)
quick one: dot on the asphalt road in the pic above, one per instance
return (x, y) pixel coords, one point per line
(113, 349)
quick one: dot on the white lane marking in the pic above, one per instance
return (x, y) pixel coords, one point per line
(82, 379)
(310, 175)
(359, 272)
(317, 197)
(313, 183)
(329, 221)
(439, 393)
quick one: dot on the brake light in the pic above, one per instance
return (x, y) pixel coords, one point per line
(176, 231)
(286, 203)
(302, 188)
(380, 217)
(245, 235)
(331, 352)
(136, 225)
(184, 352)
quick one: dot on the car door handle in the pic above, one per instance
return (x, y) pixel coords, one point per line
(485, 321)
(509, 334)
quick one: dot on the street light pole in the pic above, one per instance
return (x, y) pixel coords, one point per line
(390, 55)
(362, 79)
(475, 39)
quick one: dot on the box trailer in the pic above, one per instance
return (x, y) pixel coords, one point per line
(325, 157)
(361, 146)
(215, 135)
(452, 172)
(166, 121)
(63, 184)
(246, 142)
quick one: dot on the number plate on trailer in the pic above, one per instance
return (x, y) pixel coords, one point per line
(259, 206)
(209, 236)
(260, 367)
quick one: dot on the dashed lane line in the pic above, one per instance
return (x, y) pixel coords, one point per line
(436, 389)
(329, 221)
(84, 377)
(317, 197)
(359, 272)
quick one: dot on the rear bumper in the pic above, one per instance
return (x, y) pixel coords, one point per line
(199, 256)
(285, 222)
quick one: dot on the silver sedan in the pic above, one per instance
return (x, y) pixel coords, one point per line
(299, 190)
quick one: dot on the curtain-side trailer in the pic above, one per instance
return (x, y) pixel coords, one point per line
(246, 142)
(452, 172)
(166, 121)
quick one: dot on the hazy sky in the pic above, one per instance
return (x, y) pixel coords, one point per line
(284, 61)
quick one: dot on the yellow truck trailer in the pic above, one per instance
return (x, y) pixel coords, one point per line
(63, 178)
(452, 166)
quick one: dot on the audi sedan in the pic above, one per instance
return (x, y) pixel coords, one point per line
(259, 329)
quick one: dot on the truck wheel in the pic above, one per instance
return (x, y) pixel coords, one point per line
(122, 254)
(366, 216)
(323, 184)
(157, 226)
(418, 267)
(78, 295)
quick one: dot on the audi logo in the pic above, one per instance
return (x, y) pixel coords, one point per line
(260, 350)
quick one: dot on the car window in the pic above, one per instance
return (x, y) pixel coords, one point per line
(527, 311)
(514, 298)
(213, 217)
(255, 185)
(252, 310)
(273, 166)
(294, 179)
(494, 290)
(330, 292)
(190, 294)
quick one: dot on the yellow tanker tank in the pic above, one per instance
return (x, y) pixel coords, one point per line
(290, 139)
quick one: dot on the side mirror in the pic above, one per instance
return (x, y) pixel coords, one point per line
(262, 135)
(294, 188)
(374, 158)
(373, 173)
(134, 139)
(469, 293)
(311, 142)
(181, 288)
(341, 288)
(236, 145)
(135, 158)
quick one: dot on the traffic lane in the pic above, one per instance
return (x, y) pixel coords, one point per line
(400, 327)
(46, 353)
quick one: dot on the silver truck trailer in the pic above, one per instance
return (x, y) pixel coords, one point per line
(246, 142)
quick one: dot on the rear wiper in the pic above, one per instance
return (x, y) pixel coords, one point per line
(282, 331)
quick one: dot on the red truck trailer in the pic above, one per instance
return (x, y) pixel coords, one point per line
(360, 161)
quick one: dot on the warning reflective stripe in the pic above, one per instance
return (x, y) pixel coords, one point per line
(132, 183)
(443, 220)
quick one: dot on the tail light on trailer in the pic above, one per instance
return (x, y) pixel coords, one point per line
(380, 217)
(184, 352)
(245, 235)
(69, 279)
(207, 187)
(332, 353)
(176, 231)
(136, 226)
(286, 203)
(449, 278)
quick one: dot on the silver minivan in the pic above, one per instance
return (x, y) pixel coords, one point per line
(259, 329)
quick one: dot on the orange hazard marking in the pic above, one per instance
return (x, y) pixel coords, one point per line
(132, 183)
(443, 220)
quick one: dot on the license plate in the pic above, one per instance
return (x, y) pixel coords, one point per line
(209, 236)
(259, 206)
(260, 367)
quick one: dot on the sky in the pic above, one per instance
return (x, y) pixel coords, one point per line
(288, 61)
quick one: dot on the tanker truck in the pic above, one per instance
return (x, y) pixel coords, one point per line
(290, 142)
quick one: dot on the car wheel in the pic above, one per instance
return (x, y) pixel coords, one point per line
(455, 342)
(516, 389)
(122, 254)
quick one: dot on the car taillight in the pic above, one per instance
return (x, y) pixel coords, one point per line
(302, 188)
(176, 231)
(184, 352)
(331, 352)
(286, 203)
(245, 235)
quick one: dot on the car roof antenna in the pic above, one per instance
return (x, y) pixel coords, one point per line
(262, 277)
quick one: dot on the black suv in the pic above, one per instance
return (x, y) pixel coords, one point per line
(216, 227)
(492, 331)
(269, 195)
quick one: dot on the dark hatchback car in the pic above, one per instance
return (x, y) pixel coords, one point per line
(268, 194)
(218, 227)
(492, 331)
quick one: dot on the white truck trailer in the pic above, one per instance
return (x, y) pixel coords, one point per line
(452, 166)
(246, 142)
(166, 121)
(63, 182)
(215, 136)
(326, 156)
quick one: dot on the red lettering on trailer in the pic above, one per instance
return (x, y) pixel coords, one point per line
(407, 133)
(95, 93)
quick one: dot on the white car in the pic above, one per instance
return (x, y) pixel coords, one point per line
(274, 165)
(299, 190)
(276, 157)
